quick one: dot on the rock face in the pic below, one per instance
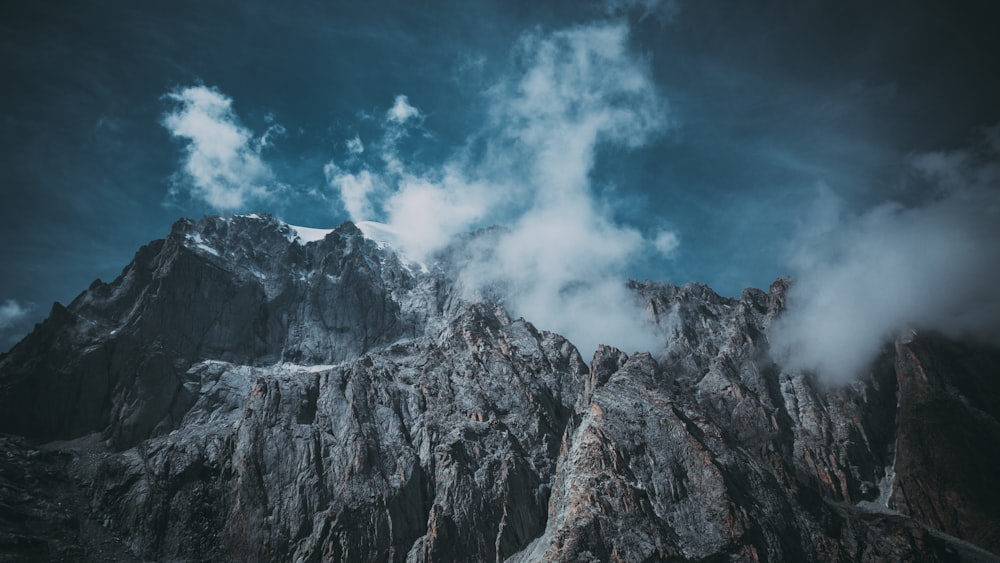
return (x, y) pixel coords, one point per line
(241, 394)
(242, 290)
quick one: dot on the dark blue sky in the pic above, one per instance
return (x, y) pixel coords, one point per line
(770, 108)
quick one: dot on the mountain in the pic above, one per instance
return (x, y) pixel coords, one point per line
(251, 391)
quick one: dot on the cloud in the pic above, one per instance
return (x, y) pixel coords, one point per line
(664, 10)
(666, 242)
(11, 312)
(401, 111)
(355, 146)
(222, 164)
(355, 190)
(429, 210)
(273, 130)
(930, 265)
(14, 322)
(559, 258)
(561, 266)
(579, 87)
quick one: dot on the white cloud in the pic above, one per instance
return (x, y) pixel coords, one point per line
(355, 146)
(273, 130)
(561, 266)
(401, 111)
(11, 312)
(580, 86)
(666, 242)
(222, 164)
(355, 190)
(428, 210)
(864, 278)
(560, 258)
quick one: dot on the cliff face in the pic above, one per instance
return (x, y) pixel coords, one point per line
(241, 394)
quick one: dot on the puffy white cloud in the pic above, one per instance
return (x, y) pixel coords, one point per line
(222, 164)
(11, 312)
(427, 211)
(560, 258)
(864, 278)
(561, 266)
(355, 190)
(401, 111)
(579, 87)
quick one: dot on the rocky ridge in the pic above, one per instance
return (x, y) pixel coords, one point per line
(240, 393)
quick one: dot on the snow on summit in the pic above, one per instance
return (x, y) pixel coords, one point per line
(379, 232)
(384, 235)
(308, 234)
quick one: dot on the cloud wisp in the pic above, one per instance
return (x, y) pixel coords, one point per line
(560, 257)
(14, 321)
(11, 312)
(934, 265)
(664, 10)
(222, 163)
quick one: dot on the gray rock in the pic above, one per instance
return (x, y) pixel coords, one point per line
(238, 395)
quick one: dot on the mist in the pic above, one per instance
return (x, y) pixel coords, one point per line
(928, 262)
(560, 258)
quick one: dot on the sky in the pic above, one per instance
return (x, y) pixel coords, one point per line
(852, 145)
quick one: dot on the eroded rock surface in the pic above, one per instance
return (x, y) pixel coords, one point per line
(241, 394)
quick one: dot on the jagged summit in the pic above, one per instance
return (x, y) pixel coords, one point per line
(239, 289)
(250, 390)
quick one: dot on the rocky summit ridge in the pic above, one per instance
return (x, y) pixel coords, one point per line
(242, 392)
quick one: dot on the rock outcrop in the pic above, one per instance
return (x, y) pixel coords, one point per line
(241, 394)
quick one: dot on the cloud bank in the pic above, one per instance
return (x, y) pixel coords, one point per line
(932, 265)
(222, 164)
(560, 257)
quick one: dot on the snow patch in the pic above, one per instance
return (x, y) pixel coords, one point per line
(305, 235)
(208, 249)
(379, 232)
(288, 367)
(200, 243)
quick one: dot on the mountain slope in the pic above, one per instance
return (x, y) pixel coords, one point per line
(239, 289)
(246, 392)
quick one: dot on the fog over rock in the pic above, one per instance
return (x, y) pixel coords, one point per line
(929, 264)
(249, 390)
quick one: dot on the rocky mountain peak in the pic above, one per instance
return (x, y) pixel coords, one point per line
(251, 390)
